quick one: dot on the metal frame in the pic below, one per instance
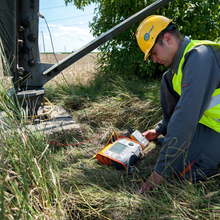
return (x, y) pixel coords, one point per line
(19, 34)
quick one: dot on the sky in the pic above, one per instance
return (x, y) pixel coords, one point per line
(68, 25)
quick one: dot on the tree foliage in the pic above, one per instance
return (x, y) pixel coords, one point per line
(196, 19)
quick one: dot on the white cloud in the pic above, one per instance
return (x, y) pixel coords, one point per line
(52, 25)
(69, 37)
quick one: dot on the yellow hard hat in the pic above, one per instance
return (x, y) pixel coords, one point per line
(148, 31)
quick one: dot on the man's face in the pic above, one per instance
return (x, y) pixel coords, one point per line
(162, 53)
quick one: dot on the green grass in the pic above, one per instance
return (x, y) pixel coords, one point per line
(44, 180)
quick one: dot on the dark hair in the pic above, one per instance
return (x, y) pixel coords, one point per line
(172, 29)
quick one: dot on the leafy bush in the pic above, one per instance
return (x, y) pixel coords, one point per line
(122, 54)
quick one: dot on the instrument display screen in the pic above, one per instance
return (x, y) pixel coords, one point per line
(117, 148)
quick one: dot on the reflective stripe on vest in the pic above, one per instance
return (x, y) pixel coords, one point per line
(211, 117)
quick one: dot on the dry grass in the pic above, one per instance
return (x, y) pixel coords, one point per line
(83, 69)
(43, 180)
(5, 79)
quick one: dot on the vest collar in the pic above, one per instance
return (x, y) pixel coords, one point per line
(179, 54)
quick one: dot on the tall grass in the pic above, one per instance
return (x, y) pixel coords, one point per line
(29, 183)
(57, 176)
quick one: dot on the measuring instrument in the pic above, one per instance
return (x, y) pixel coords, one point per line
(124, 151)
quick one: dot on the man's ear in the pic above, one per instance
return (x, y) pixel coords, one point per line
(168, 38)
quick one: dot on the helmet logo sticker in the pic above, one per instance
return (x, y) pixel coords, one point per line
(147, 35)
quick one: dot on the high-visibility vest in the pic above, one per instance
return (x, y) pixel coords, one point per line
(211, 116)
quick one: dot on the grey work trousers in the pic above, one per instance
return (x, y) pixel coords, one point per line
(202, 155)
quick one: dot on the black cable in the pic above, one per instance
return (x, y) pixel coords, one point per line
(70, 17)
(129, 128)
(64, 26)
(56, 7)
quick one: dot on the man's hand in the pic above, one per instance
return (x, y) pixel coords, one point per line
(151, 134)
(153, 181)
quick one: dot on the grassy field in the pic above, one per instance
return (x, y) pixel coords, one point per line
(57, 176)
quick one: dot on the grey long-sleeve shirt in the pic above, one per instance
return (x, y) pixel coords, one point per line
(201, 76)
